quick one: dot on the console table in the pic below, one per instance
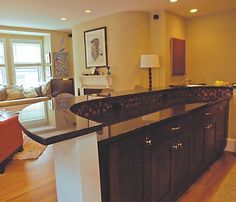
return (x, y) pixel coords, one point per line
(151, 144)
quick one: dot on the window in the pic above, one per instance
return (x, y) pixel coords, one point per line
(27, 61)
(3, 78)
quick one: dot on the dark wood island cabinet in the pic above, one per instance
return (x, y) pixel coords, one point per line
(159, 163)
(151, 145)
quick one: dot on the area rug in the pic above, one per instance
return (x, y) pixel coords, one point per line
(32, 149)
(227, 190)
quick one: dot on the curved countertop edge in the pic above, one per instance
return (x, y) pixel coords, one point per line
(71, 135)
(99, 127)
(61, 137)
(128, 94)
(155, 124)
(140, 129)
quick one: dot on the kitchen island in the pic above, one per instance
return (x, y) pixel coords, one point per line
(152, 144)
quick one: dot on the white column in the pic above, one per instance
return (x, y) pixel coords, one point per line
(81, 90)
(77, 169)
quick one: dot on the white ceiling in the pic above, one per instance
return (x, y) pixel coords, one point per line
(46, 14)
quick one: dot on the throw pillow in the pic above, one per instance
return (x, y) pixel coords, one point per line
(3, 94)
(39, 91)
(47, 89)
(30, 92)
(14, 93)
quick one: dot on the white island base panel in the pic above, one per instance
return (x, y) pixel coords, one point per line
(77, 169)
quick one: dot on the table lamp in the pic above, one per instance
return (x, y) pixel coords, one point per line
(150, 61)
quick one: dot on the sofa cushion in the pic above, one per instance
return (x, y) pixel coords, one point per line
(47, 89)
(15, 92)
(30, 92)
(38, 90)
(62, 86)
(22, 101)
(3, 94)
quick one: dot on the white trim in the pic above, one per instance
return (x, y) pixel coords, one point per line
(231, 145)
(29, 33)
(29, 41)
(5, 66)
(77, 177)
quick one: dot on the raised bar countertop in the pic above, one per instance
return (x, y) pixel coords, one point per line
(113, 115)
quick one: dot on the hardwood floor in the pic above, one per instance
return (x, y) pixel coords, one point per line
(209, 182)
(28, 180)
(31, 181)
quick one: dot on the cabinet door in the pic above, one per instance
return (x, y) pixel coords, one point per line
(197, 145)
(160, 172)
(210, 132)
(127, 170)
(221, 127)
(181, 163)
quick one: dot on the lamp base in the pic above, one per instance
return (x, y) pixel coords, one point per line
(150, 78)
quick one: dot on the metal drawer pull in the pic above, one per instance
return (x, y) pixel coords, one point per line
(208, 113)
(180, 144)
(175, 147)
(220, 108)
(209, 126)
(148, 142)
(176, 128)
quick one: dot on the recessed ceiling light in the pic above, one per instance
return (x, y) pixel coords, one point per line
(194, 10)
(87, 11)
(173, 1)
(63, 18)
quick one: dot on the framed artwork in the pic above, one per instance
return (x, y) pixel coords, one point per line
(61, 68)
(48, 71)
(47, 58)
(178, 57)
(95, 47)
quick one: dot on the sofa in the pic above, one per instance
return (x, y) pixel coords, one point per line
(15, 98)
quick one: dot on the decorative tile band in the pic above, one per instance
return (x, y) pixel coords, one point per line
(117, 108)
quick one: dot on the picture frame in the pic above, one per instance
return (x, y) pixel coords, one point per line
(48, 71)
(178, 57)
(61, 67)
(48, 58)
(95, 42)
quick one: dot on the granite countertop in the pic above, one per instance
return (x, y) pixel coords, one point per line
(53, 121)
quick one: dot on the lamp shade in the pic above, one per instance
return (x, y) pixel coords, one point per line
(148, 61)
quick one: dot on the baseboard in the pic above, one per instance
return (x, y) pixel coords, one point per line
(231, 145)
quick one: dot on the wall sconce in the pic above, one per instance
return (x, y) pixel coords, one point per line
(150, 61)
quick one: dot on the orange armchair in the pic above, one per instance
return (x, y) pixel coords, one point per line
(11, 140)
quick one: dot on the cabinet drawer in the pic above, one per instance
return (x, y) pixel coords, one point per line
(171, 129)
(214, 109)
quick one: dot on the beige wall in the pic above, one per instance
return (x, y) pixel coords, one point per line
(211, 53)
(157, 38)
(175, 28)
(128, 36)
(168, 26)
(61, 40)
(211, 48)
